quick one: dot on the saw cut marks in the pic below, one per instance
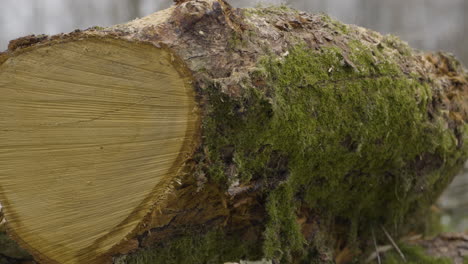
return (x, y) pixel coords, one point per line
(92, 133)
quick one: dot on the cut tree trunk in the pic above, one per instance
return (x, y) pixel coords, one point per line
(210, 134)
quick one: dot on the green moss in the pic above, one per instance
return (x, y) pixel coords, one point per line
(262, 9)
(414, 255)
(396, 43)
(236, 41)
(335, 24)
(195, 248)
(433, 223)
(349, 141)
(283, 237)
(343, 130)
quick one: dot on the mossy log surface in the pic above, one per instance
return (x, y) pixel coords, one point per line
(304, 134)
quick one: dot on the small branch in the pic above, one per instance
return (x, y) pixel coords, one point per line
(375, 245)
(393, 243)
(381, 249)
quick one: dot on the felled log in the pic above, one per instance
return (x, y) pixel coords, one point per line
(209, 134)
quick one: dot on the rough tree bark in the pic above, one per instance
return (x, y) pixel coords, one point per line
(206, 133)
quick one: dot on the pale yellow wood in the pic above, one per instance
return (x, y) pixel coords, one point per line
(91, 132)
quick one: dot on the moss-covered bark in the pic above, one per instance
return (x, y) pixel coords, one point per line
(332, 131)
(313, 133)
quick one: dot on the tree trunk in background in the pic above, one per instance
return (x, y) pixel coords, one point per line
(204, 133)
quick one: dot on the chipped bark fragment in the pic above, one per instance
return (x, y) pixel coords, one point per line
(24, 42)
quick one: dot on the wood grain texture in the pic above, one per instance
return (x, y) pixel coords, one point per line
(91, 131)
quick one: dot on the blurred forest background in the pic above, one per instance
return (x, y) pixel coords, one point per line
(425, 24)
